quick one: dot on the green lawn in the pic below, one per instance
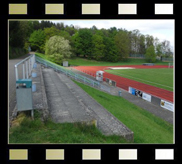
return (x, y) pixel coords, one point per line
(162, 78)
(80, 61)
(85, 62)
(147, 127)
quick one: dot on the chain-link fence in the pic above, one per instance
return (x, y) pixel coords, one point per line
(137, 56)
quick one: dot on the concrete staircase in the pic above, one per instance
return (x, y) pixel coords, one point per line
(69, 103)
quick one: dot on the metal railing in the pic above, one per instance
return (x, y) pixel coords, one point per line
(167, 59)
(110, 82)
(27, 65)
(137, 56)
(73, 75)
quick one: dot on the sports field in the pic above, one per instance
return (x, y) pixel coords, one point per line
(156, 80)
(162, 78)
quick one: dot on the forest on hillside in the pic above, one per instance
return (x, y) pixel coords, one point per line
(113, 44)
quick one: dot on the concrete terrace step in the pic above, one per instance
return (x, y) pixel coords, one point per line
(69, 103)
(63, 106)
(106, 122)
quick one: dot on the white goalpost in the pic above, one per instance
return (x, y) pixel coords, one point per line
(170, 65)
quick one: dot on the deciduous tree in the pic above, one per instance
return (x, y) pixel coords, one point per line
(98, 47)
(37, 40)
(83, 43)
(122, 44)
(150, 54)
(110, 50)
(58, 49)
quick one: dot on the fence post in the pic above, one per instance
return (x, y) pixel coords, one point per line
(169, 65)
(23, 70)
(30, 67)
(16, 72)
(26, 69)
(34, 58)
(31, 62)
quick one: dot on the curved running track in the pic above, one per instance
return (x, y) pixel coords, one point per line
(124, 83)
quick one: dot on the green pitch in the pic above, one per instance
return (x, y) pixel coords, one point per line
(161, 78)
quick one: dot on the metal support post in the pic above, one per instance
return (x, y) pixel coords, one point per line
(32, 114)
(16, 73)
(32, 62)
(28, 67)
(23, 71)
(26, 64)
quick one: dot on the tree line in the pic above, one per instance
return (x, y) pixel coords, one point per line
(111, 44)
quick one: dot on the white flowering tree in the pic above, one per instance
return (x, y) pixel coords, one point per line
(58, 49)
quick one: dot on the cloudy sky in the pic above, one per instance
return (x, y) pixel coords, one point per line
(162, 29)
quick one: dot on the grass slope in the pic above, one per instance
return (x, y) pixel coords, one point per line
(147, 128)
(162, 78)
(35, 131)
(78, 61)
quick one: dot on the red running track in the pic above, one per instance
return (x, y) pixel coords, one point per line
(124, 83)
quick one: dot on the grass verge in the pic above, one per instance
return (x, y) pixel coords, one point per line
(26, 130)
(147, 127)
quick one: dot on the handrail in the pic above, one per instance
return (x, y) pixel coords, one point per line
(23, 61)
(27, 65)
